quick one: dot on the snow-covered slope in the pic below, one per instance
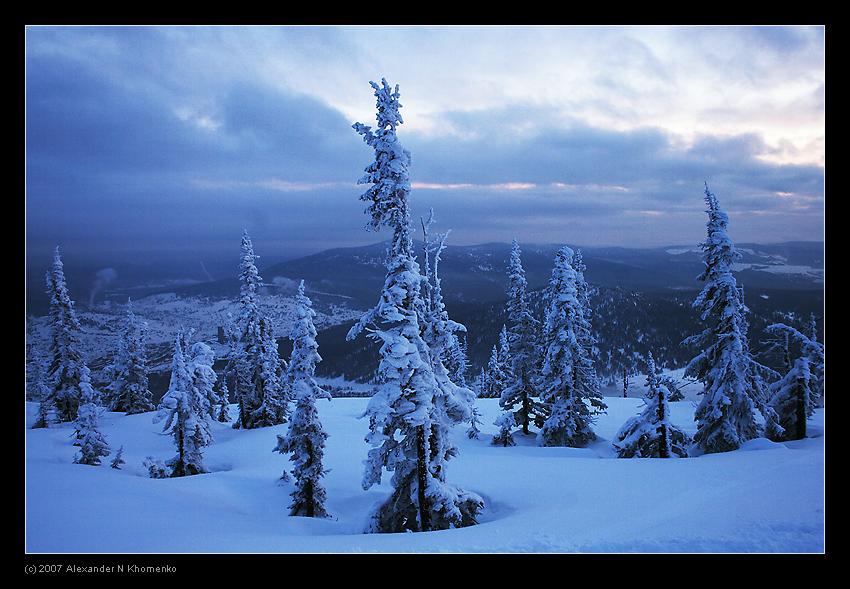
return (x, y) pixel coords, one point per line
(765, 497)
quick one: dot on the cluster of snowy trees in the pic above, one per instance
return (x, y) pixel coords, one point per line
(541, 370)
(737, 387)
(196, 395)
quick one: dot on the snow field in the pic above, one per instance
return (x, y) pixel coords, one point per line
(765, 497)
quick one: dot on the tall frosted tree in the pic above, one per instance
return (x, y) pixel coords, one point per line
(69, 377)
(184, 408)
(257, 365)
(520, 394)
(794, 396)
(305, 440)
(454, 402)
(651, 434)
(733, 388)
(128, 392)
(402, 411)
(569, 386)
(584, 332)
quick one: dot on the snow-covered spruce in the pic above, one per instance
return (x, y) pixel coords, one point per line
(733, 384)
(794, 397)
(498, 373)
(200, 364)
(305, 440)
(458, 360)
(259, 391)
(473, 433)
(271, 382)
(402, 411)
(222, 394)
(569, 387)
(522, 329)
(584, 331)
(37, 388)
(673, 386)
(119, 459)
(36, 370)
(816, 369)
(91, 440)
(506, 422)
(46, 414)
(128, 391)
(651, 434)
(185, 409)
(454, 403)
(69, 377)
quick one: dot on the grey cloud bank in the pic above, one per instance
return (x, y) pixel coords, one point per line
(133, 143)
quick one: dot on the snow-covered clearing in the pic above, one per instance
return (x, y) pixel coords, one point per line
(765, 497)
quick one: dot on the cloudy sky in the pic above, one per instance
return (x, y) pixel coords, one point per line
(178, 137)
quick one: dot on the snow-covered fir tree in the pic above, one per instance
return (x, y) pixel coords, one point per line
(37, 387)
(816, 369)
(519, 395)
(257, 365)
(794, 396)
(673, 386)
(128, 392)
(454, 403)
(36, 370)
(458, 362)
(733, 384)
(46, 414)
(185, 411)
(473, 433)
(200, 365)
(69, 377)
(305, 440)
(498, 374)
(271, 382)
(506, 422)
(222, 394)
(91, 440)
(584, 330)
(119, 459)
(569, 387)
(402, 412)
(651, 434)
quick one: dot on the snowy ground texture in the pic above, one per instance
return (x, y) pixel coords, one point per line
(765, 497)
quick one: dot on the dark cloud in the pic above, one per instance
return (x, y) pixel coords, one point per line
(136, 158)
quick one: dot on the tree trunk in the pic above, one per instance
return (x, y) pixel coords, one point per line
(525, 408)
(662, 429)
(801, 410)
(422, 473)
(625, 383)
